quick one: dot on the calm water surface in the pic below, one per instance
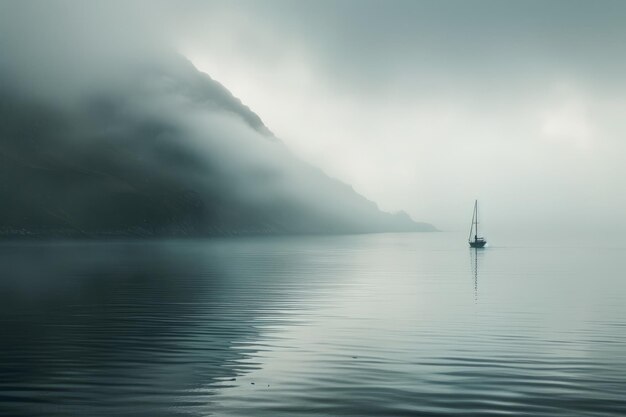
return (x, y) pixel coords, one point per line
(371, 325)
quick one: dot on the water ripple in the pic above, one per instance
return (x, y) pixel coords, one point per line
(374, 325)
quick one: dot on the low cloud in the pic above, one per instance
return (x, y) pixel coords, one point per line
(112, 131)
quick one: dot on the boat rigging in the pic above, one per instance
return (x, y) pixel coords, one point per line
(477, 242)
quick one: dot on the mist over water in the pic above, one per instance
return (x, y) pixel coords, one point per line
(387, 324)
(420, 106)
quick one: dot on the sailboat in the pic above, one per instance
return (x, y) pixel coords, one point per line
(478, 242)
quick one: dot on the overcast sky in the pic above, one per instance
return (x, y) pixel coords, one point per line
(423, 106)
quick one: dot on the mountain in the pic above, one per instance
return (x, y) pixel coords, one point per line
(159, 149)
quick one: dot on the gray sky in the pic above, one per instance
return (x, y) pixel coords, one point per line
(425, 105)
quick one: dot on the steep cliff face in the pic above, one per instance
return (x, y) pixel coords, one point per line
(160, 149)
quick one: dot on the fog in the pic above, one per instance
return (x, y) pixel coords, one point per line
(427, 105)
(105, 129)
(420, 106)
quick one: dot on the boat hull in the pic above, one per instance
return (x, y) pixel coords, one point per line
(478, 244)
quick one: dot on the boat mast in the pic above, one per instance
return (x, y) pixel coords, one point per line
(474, 220)
(476, 211)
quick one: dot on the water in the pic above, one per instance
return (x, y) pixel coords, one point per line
(371, 325)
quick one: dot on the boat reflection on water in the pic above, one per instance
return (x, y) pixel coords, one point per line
(475, 254)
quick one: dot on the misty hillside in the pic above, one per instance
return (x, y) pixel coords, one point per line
(159, 149)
